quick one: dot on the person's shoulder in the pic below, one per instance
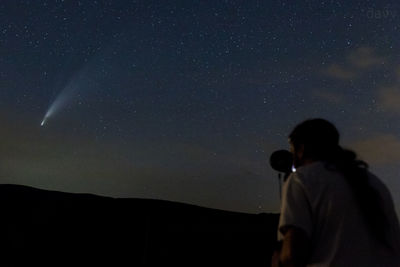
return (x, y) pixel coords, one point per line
(312, 169)
(376, 182)
(315, 174)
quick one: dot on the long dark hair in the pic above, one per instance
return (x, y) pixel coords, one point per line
(321, 142)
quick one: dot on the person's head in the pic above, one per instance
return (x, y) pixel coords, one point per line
(313, 139)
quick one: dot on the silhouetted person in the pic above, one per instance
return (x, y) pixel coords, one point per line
(334, 212)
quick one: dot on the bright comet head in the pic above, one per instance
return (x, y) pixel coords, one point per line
(45, 119)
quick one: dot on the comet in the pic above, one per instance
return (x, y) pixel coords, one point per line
(83, 80)
(67, 94)
(45, 119)
(63, 98)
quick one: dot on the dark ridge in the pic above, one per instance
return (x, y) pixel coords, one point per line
(44, 228)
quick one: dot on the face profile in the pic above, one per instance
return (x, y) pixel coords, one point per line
(297, 155)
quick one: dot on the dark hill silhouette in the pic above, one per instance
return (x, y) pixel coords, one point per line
(41, 227)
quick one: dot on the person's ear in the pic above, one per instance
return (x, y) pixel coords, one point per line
(300, 151)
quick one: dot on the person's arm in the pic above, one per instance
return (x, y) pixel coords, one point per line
(275, 260)
(295, 225)
(295, 248)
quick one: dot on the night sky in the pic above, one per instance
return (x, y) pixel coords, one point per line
(186, 100)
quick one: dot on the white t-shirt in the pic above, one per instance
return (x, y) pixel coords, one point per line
(321, 202)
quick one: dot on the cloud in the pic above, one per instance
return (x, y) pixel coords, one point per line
(329, 96)
(340, 72)
(364, 57)
(356, 63)
(379, 150)
(389, 99)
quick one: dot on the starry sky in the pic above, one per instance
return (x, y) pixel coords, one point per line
(185, 100)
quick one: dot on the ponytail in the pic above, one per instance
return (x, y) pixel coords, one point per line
(355, 172)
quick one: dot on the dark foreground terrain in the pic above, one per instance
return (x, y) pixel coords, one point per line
(46, 228)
